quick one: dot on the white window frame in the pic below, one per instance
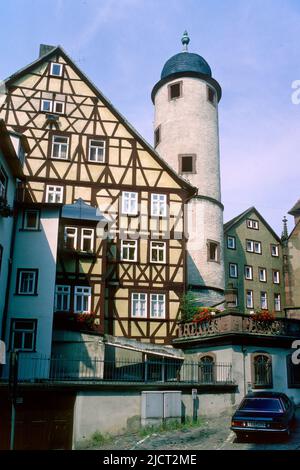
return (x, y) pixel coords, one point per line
(250, 277)
(247, 298)
(53, 64)
(73, 236)
(276, 276)
(136, 297)
(42, 105)
(276, 254)
(99, 158)
(65, 292)
(233, 266)
(258, 244)
(277, 302)
(126, 245)
(251, 223)
(264, 277)
(34, 280)
(159, 249)
(60, 145)
(232, 238)
(264, 300)
(82, 291)
(249, 246)
(57, 191)
(157, 300)
(87, 237)
(159, 205)
(129, 197)
(31, 330)
(37, 224)
(55, 103)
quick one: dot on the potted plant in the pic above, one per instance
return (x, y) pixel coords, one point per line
(263, 316)
(204, 314)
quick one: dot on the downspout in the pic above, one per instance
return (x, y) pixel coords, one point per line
(244, 351)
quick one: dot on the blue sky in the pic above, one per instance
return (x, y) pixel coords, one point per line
(252, 47)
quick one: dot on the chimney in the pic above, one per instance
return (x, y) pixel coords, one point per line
(44, 49)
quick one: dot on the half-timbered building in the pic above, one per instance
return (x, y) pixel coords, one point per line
(120, 237)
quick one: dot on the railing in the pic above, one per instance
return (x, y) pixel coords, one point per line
(238, 324)
(57, 369)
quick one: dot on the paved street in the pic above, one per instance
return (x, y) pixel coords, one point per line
(214, 434)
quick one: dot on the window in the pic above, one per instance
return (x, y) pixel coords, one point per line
(129, 250)
(276, 276)
(70, 238)
(253, 224)
(175, 90)
(207, 369)
(87, 239)
(233, 270)
(159, 205)
(293, 373)
(3, 183)
(46, 105)
(82, 299)
(274, 250)
(27, 281)
(31, 219)
(23, 335)
(262, 274)
(213, 249)
(97, 151)
(249, 298)
(139, 305)
(62, 298)
(277, 303)
(231, 244)
(211, 95)
(157, 136)
(1, 256)
(56, 69)
(187, 163)
(54, 194)
(129, 203)
(248, 273)
(158, 305)
(158, 252)
(59, 107)
(261, 366)
(263, 301)
(60, 147)
(253, 246)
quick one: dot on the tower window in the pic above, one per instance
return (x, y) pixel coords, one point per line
(175, 90)
(157, 136)
(213, 251)
(187, 163)
(211, 95)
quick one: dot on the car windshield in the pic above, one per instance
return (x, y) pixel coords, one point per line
(262, 405)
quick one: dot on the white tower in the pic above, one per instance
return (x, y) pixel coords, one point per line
(186, 136)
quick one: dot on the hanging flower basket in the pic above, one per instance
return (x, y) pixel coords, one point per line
(263, 316)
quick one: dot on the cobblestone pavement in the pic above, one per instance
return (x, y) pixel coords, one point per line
(213, 434)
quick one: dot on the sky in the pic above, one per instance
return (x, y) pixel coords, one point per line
(252, 47)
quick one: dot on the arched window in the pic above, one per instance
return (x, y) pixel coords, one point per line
(207, 369)
(262, 370)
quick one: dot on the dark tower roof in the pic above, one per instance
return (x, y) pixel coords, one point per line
(185, 62)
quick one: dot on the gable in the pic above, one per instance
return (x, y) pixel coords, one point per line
(251, 213)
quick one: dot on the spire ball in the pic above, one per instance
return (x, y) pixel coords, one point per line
(185, 41)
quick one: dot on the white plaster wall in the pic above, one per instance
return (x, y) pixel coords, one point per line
(6, 225)
(36, 250)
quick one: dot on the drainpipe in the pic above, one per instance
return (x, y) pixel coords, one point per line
(9, 274)
(244, 351)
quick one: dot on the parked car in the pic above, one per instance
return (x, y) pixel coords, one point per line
(264, 412)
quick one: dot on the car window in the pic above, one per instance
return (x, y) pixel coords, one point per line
(270, 405)
(286, 402)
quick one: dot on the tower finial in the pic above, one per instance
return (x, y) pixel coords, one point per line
(285, 234)
(185, 41)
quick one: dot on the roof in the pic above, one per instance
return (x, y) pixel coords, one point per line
(231, 223)
(185, 62)
(295, 209)
(82, 211)
(9, 152)
(59, 51)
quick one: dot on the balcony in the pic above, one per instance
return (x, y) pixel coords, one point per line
(237, 324)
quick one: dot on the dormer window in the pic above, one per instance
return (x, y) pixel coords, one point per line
(56, 69)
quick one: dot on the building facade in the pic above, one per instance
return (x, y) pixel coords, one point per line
(292, 265)
(253, 265)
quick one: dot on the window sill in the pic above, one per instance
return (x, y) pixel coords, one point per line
(30, 230)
